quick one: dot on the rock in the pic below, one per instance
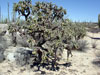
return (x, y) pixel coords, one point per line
(22, 40)
(11, 57)
(2, 33)
(8, 71)
(37, 73)
(22, 56)
(98, 73)
(43, 72)
(10, 53)
(2, 57)
(51, 73)
(3, 42)
(97, 53)
(2, 73)
(62, 73)
(8, 38)
(22, 70)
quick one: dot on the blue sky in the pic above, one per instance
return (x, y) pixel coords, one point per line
(77, 10)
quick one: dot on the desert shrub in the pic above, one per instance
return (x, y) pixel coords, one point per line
(73, 31)
(80, 31)
(82, 45)
(96, 61)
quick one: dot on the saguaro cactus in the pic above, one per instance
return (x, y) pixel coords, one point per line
(0, 13)
(8, 12)
(13, 16)
(99, 20)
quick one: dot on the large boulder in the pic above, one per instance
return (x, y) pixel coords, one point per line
(2, 57)
(97, 53)
(9, 53)
(22, 40)
(3, 46)
(23, 56)
(11, 57)
(20, 55)
(3, 42)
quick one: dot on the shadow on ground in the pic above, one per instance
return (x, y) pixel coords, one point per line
(49, 66)
(95, 38)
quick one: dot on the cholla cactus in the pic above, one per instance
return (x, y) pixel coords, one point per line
(23, 8)
(48, 25)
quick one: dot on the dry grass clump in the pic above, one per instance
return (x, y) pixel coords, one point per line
(82, 45)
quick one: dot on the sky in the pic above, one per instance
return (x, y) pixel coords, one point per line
(77, 10)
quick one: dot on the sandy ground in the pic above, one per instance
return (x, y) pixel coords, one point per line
(81, 62)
